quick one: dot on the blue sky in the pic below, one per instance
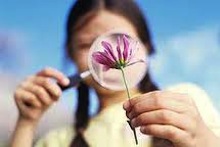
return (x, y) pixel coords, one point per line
(186, 34)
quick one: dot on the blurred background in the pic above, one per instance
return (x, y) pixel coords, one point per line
(186, 35)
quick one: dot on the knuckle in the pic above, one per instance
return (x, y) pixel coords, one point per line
(40, 92)
(140, 120)
(170, 133)
(164, 116)
(47, 70)
(136, 108)
(158, 102)
(46, 82)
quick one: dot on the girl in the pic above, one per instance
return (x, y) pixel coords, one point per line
(182, 116)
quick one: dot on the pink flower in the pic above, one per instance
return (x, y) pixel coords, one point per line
(123, 57)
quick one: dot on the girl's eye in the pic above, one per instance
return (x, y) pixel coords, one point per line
(84, 46)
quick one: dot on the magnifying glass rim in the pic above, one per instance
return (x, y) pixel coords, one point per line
(98, 40)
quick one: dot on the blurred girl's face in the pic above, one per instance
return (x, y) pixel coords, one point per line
(89, 31)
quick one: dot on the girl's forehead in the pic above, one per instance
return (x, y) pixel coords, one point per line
(102, 23)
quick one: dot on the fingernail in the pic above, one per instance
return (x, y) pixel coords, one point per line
(133, 123)
(66, 81)
(144, 130)
(126, 105)
(130, 115)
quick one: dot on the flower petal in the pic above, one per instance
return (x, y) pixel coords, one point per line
(102, 58)
(107, 53)
(126, 47)
(119, 49)
(108, 49)
(133, 50)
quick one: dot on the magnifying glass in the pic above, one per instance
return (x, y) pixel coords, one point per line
(134, 64)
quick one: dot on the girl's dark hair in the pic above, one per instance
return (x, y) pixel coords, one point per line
(82, 116)
(129, 10)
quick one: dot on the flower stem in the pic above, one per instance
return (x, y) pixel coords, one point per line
(126, 85)
(129, 97)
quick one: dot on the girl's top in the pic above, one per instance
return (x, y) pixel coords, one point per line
(110, 129)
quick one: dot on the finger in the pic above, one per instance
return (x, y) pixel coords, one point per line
(127, 106)
(53, 73)
(175, 135)
(39, 92)
(25, 99)
(163, 117)
(52, 88)
(161, 94)
(156, 103)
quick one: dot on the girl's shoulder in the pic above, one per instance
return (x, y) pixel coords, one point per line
(188, 88)
(56, 138)
(202, 100)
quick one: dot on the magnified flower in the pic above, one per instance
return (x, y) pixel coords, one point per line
(122, 58)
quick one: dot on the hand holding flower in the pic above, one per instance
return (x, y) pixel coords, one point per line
(171, 116)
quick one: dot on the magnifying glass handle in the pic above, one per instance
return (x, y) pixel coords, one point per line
(75, 80)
